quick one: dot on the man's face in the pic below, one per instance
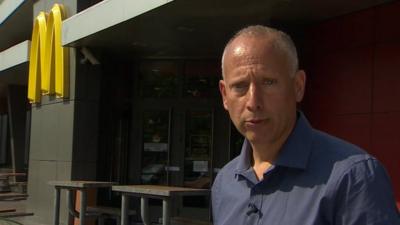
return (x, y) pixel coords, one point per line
(260, 91)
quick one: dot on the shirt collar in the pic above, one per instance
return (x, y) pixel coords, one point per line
(297, 148)
(294, 153)
(244, 157)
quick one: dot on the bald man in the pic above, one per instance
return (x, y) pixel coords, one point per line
(289, 173)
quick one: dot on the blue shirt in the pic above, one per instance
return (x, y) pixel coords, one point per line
(317, 179)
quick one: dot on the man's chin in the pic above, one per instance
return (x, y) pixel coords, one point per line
(255, 137)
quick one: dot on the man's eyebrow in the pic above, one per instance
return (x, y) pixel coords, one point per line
(239, 79)
(239, 82)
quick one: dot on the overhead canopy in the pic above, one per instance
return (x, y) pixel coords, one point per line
(13, 64)
(191, 27)
(15, 29)
(15, 22)
(103, 15)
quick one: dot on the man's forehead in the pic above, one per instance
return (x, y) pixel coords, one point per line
(250, 50)
(250, 46)
(238, 50)
(256, 52)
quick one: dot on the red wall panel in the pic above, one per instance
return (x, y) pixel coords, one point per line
(387, 77)
(340, 82)
(387, 20)
(352, 128)
(353, 86)
(349, 31)
(386, 144)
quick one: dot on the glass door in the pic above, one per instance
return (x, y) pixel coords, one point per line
(198, 154)
(156, 145)
(179, 101)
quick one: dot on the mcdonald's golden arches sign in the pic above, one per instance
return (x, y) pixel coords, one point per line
(48, 66)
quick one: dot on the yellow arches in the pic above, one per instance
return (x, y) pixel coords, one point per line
(48, 66)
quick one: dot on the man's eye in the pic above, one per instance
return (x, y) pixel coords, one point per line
(269, 82)
(239, 87)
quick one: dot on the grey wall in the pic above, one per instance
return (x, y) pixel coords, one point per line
(63, 142)
(50, 157)
(63, 135)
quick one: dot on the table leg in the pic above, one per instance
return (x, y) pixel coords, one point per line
(166, 212)
(57, 206)
(144, 210)
(124, 209)
(71, 206)
(82, 213)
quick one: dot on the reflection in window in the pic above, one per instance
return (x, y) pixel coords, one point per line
(155, 147)
(197, 172)
(201, 79)
(159, 79)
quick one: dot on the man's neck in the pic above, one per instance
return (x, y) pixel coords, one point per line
(264, 154)
(263, 159)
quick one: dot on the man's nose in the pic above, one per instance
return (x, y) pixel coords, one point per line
(254, 98)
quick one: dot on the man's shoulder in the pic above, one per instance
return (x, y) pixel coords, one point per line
(335, 145)
(336, 153)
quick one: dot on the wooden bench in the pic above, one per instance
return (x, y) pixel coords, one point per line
(188, 221)
(6, 210)
(14, 214)
(12, 196)
(104, 212)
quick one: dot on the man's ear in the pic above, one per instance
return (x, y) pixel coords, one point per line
(222, 90)
(300, 84)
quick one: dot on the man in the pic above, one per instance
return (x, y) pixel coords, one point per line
(289, 173)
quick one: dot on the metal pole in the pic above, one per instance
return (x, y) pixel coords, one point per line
(82, 213)
(166, 212)
(144, 210)
(56, 206)
(124, 209)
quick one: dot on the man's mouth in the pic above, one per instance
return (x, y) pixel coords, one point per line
(254, 121)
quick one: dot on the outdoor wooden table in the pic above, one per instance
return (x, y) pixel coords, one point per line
(144, 192)
(70, 187)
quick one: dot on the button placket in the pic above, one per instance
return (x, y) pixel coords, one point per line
(252, 210)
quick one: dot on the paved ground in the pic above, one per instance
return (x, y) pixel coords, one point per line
(20, 206)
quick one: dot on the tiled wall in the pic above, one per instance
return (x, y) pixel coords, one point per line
(353, 86)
